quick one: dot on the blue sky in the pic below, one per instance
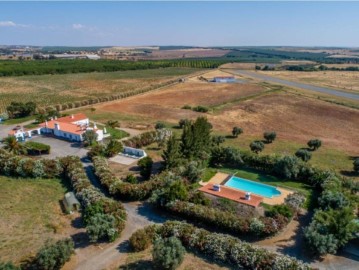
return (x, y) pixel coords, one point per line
(180, 23)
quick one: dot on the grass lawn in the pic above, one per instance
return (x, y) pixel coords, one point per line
(30, 214)
(324, 157)
(18, 120)
(114, 132)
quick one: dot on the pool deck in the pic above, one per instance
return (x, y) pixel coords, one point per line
(220, 178)
(232, 194)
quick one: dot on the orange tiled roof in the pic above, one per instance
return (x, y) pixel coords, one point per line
(76, 117)
(67, 127)
(232, 194)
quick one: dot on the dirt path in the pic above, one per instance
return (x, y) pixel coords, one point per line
(139, 215)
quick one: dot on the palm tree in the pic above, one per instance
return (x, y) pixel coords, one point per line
(13, 146)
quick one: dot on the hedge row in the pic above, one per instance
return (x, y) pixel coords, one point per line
(225, 220)
(88, 194)
(141, 140)
(225, 249)
(120, 189)
(19, 166)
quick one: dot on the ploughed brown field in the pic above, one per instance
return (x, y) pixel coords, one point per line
(294, 118)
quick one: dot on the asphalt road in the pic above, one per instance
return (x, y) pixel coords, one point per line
(305, 86)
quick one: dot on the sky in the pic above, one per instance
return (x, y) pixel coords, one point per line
(180, 23)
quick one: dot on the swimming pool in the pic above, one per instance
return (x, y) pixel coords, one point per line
(254, 187)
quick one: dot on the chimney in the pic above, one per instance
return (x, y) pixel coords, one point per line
(72, 116)
(57, 126)
(45, 123)
(55, 117)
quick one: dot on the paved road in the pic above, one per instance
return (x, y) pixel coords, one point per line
(305, 86)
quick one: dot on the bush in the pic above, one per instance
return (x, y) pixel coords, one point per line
(202, 109)
(160, 125)
(256, 146)
(182, 122)
(168, 253)
(288, 167)
(186, 107)
(295, 200)
(226, 156)
(53, 256)
(113, 148)
(256, 226)
(303, 154)
(270, 136)
(101, 227)
(314, 144)
(356, 165)
(332, 199)
(36, 148)
(224, 220)
(237, 131)
(140, 240)
(145, 165)
(225, 249)
(281, 209)
(130, 178)
(8, 266)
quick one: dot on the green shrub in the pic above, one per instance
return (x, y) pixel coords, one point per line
(303, 154)
(237, 131)
(8, 266)
(130, 178)
(269, 136)
(36, 148)
(314, 144)
(295, 200)
(160, 125)
(256, 146)
(140, 240)
(281, 209)
(168, 253)
(199, 108)
(54, 255)
(145, 165)
(288, 167)
(101, 227)
(186, 107)
(356, 165)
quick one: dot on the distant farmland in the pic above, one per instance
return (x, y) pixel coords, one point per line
(59, 89)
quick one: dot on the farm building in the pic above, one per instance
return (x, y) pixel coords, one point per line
(71, 203)
(224, 79)
(69, 127)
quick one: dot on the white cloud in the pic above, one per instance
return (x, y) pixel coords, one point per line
(7, 24)
(78, 26)
(11, 24)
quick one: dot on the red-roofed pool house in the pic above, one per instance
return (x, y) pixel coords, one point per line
(69, 127)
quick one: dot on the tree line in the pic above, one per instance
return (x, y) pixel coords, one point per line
(40, 67)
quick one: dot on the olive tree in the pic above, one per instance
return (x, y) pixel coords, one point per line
(303, 154)
(314, 144)
(237, 131)
(256, 146)
(270, 136)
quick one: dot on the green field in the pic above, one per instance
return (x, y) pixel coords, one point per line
(64, 88)
(30, 214)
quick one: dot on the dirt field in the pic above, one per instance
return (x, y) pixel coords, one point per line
(342, 80)
(166, 104)
(292, 117)
(186, 53)
(54, 89)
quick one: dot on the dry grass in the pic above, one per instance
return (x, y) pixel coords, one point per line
(54, 89)
(341, 80)
(30, 214)
(143, 260)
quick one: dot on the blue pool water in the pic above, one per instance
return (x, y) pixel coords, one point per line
(254, 187)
